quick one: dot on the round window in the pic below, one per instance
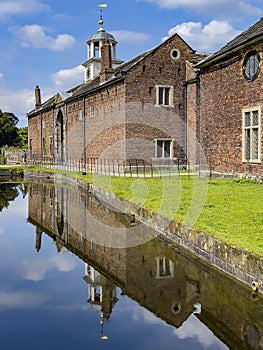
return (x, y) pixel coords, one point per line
(175, 54)
(251, 66)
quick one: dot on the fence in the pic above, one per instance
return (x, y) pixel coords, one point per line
(129, 168)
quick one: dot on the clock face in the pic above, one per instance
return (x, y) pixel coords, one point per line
(251, 66)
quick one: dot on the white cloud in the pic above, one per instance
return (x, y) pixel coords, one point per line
(67, 78)
(35, 36)
(205, 38)
(216, 7)
(129, 36)
(1, 76)
(1, 231)
(18, 7)
(18, 102)
(36, 271)
(193, 328)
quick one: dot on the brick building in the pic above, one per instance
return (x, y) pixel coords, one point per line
(231, 102)
(166, 103)
(131, 110)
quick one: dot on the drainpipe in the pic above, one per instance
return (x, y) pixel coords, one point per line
(41, 136)
(185, 120)
(84, 131)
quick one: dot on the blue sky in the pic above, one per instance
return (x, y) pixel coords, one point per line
(43, 42)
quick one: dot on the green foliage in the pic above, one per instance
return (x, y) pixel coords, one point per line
(8, 193)
(8, 129)
(22, 138)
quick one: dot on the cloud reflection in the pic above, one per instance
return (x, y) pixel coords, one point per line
(20, 300)
(193, 328)
(37, 270)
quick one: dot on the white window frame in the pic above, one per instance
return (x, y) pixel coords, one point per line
(251, 128)
(161, 89)
(164, 268)
(163, 148)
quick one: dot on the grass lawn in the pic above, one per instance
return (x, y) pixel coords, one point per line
(230, 209)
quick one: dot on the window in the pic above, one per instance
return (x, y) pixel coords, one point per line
(80, 114)
(164, 148)
(165, 268)
(92, 111)
(251, 135)
(164, 95)
(51, 145)
(251, 66)
(69, 117)
(88, 73)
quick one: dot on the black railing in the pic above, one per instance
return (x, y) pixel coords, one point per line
(129, 168)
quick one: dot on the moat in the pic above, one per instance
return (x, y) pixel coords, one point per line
(67, 281)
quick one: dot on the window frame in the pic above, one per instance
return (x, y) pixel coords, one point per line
(171, 155)
(162, 88)
(251, 128)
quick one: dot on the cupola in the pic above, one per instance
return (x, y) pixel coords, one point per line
(95, 43)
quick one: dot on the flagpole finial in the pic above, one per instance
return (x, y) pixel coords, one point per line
(101, 8)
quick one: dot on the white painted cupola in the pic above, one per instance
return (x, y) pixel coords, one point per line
(94, 63)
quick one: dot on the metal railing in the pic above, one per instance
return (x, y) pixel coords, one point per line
(123, 167)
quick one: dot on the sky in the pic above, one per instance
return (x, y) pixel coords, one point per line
(43, 42)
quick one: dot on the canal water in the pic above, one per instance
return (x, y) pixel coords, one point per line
(66, 284)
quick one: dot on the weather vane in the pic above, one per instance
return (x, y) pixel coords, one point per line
(102, 6)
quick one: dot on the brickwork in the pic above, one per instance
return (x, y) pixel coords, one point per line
(119, 119)
(224, 94)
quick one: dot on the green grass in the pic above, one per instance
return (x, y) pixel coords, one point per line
(228, 209)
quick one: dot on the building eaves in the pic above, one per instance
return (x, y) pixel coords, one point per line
(252, 34)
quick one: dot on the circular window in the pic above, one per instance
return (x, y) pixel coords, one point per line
(175, 54)
(251, 66)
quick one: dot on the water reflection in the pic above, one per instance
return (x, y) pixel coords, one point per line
(145, 289)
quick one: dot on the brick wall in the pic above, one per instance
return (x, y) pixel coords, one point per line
(224, 93)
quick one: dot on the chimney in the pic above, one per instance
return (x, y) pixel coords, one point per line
(106, 61)
(38, 98)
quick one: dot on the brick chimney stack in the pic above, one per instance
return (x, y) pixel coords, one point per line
(106, 61)
(37, 97)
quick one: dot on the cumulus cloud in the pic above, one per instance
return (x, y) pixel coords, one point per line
(193, 328)
(18, 7)
(18, 102)
(36, 271)
(34, 35)
(205, 38)
(216, 8)
(129, 36)
(67, 78)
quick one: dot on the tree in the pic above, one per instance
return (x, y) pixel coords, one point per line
(22, 138)
(8, 129)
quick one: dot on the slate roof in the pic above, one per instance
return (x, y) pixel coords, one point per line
(119, 74)
(252, 33)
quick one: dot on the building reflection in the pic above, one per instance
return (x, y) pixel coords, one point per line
(167, 281)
